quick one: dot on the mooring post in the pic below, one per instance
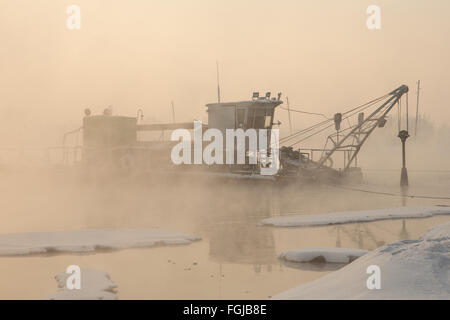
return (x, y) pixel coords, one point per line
(403, 135)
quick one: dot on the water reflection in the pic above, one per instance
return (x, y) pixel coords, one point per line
(243, 244)
(234, 235)
(404, 234)
(235, 259)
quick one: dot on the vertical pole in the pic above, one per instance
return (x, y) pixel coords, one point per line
(403, 154)
(345, 156)
(403, 135)
(218, 83)
(173, 111)
(417, 109)
(289, 114)
(407, 112)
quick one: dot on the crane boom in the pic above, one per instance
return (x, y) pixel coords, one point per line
(363, 129)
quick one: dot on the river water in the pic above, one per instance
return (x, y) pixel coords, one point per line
(236, 258)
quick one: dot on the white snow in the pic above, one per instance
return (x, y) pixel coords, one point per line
(95, 285)
(410, 269)
(330, 255)
(82, 241)
(355, 216)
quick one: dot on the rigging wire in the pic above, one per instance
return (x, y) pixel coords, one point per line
(348, 114)
(305, 112)
(370, 102)
(297, 142)
(390, 193)
(305, 130)
(354, 111)
(313, 134)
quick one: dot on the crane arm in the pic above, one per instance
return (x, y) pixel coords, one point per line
(362, 131)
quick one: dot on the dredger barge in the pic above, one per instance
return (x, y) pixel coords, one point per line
(122, 144)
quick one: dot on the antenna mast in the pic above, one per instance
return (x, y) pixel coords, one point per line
(218, 83)
(173, 111)
(289, 114)
(417, 109)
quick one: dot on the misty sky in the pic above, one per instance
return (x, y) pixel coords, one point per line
(138, 53)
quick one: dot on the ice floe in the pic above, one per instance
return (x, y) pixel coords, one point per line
(95, 285)
(309, 220)
(84, 241)
(330, 255)
(409, 269)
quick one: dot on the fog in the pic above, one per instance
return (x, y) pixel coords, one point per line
(144, 54)
(147, 54)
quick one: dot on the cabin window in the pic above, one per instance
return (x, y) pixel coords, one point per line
(259, 122)
(269, 118)
(251, 118)
(263, 118)
(240, 118)
(268, 122)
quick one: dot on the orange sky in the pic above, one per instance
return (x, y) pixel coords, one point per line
(139, 53)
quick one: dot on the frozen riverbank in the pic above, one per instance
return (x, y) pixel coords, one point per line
(410, 269)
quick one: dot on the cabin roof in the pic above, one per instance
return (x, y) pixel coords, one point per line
(262, 102)
(166, 126)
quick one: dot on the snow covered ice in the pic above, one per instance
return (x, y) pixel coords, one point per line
(355, 216)
(330, 255)
(95, 285)
(410, 269)
(82, 241)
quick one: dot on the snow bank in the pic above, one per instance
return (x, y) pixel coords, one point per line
(355, 216)
(95, 285)
(410, 269)
(331, 255)
(87, 241)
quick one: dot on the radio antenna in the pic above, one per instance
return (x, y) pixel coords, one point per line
(218, 83)
(417, 108)
(173, 111)
(289, 114)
